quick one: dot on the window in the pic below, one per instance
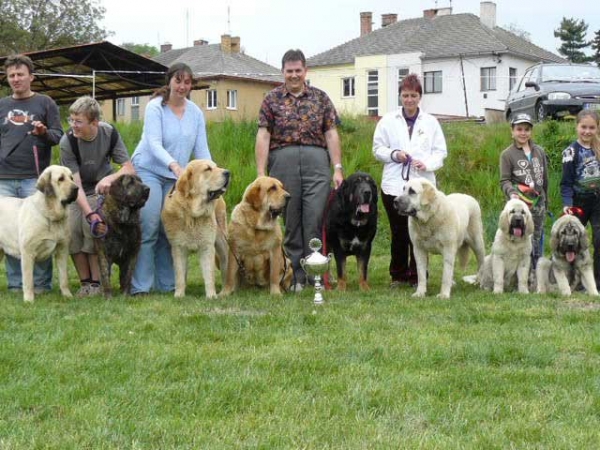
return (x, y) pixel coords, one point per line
(348, 87)
(401, 74)
(211, 99)
(372, 93)
(120, 107)
(231, 99)
(433, 82)
(135, 109)
(488, 78)
(512, 78)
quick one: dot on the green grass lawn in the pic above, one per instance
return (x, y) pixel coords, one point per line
(376, 370)
(364, 370)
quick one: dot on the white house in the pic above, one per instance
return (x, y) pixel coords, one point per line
(467, 64)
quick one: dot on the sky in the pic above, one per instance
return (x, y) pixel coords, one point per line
(267, 28)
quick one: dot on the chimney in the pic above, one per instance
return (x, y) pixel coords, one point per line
(487, 14)
(226, 43)
(230, 44)
(388, 19)
(235, 44)
(434, 12)
(366, 23)
(200, 42)
(165, 47)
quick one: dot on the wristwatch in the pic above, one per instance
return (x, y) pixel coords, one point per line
(338, 166)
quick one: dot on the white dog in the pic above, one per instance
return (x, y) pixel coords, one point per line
(35, 228)
(442, 224)
(511, 250)
(571, 261)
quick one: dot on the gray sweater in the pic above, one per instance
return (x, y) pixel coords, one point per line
(17, 159)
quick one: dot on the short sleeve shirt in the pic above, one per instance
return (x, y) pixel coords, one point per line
(95, 157)
(297, 120)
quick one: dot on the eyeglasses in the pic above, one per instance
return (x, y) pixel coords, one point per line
(76, 123)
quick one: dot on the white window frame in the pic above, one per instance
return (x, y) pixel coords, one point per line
(232, 99)
(433, 82)
(348, 87)
(512, 78)
(135, 109)
(211, 99)
(402, 73)
(373, 92)
(488, 79)
(120, 107)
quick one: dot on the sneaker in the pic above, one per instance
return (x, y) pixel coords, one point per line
(95, 289)
(297, 288)
(84, 290)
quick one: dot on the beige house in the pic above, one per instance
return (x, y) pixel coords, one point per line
(233, 83)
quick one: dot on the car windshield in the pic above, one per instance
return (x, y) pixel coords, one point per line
(570, 73)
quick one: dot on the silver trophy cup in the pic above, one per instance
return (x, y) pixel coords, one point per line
(316, 265)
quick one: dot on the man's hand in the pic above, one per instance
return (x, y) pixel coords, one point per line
(338, 178)
(103, 186)
(39, 129)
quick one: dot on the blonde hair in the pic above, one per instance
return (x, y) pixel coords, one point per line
(87, 106)
(595, 139)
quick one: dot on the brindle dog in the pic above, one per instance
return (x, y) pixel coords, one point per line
(120, 246)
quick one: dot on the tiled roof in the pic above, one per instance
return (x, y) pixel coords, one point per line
(442, 36)
(208, 61)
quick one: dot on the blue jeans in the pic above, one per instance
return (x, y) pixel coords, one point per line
(154, 267)
(42, 271)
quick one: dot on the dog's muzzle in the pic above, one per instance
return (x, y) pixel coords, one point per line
(402, 205)
(517, 226)
(72, 196)
(213, 195)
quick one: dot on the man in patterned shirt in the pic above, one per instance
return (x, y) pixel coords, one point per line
(297, 139)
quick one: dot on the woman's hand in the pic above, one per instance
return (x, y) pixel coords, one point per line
(176, 169)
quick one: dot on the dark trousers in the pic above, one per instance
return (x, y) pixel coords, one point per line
(591, 213)
(305, 174)
(402, 263)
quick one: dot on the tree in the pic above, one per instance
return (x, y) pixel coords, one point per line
(29, 25)
(514, 29)
(572, 34)
(147, 50)
(596, 48)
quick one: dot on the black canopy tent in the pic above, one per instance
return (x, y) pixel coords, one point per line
(102, 69)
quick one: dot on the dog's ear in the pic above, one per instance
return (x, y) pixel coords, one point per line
(555, 235)
(184, 183)
(44, 184)
(584, 241)
(428, 194)
(254, 196)
(504, 221)
(529, 225)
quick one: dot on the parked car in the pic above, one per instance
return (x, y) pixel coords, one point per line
(553, 91)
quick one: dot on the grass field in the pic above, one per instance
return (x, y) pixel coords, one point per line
(373, 370)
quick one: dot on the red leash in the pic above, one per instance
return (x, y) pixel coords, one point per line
(332, 195)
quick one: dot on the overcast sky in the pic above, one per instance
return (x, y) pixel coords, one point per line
(267, 28)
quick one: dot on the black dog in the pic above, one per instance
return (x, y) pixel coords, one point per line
(121, 214)
(351, 224)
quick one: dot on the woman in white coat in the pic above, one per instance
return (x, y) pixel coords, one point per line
(410, 144)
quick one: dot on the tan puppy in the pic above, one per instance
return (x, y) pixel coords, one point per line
(511, 250)
(256, 255)
(35, 228)
(442, 224)
(195, 220)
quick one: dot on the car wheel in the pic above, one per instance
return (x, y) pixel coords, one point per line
(540, 112)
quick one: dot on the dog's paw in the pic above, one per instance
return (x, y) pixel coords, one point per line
(179, 294)
(443, 296)
(419, 293)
